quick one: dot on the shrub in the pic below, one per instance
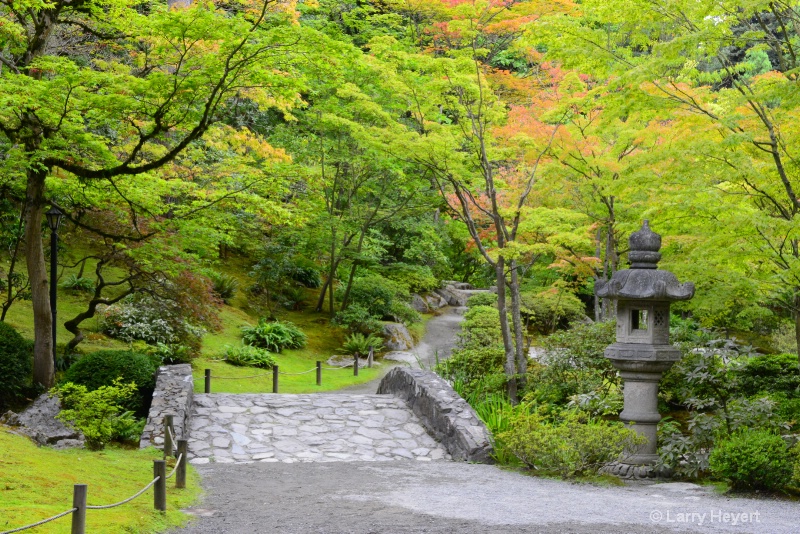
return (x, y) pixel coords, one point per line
(753, 459)
(359, 343)
(249, 356)
(101, 368)
(171, 354)
(294, 298)
(356, 318)
(16, 362)
(413, 278)
(274, 336)
(471, 365)
(551, 309)
(375, 293)
(78, 283)
(574, 445)
(403, 313)
(98, 414)
(796, 467)
(141, 318)
(482, 299)
(770, 373)
(481, 327)
(224, 285)
(305, 273)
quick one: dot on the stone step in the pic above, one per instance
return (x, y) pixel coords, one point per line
(236, 428)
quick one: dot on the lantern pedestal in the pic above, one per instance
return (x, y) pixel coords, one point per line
(642, 353)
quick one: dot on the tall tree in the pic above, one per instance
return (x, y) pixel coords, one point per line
(103, 89)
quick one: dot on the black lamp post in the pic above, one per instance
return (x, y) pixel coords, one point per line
(54, 217)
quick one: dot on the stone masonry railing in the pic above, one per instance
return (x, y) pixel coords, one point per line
(447, 416)
(174, 394)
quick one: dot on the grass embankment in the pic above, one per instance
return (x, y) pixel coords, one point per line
(37, 482)
(323, 342)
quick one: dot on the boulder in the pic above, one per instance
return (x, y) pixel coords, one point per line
(435, 301)
(419, 304)
(397, 337)
(453, 296)
(38, 421)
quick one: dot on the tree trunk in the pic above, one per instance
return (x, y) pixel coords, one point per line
(43, 365)
(516, 316)
(797, 321)
(508, 345)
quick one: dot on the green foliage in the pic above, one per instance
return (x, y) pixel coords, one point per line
(482, 299)
(224, 285)
(16, 360)
(770, 374)
(574, 444)
(98, 414)
(413, 278)
(249, 356)
(274, 336)
(377, 294)
(481, 327)
(358, 343)
(357, 318)
(551, 309)
(77, 283)
(753, 459)
(796, 468)
(573, 365)
(171, 354)
(101, 368)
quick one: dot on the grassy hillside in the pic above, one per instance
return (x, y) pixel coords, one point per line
(37, 482)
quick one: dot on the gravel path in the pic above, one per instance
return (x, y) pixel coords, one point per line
(451, 497)
(438, 341)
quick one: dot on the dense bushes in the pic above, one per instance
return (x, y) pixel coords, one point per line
(16, 360)
(553, 308)
(482, 299)
(101, 368)
(412, 278)
(274, 336)
(573, 364)
(770, 373)
(753, 459)
(572, 444)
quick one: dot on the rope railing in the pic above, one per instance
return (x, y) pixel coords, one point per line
(159, 482)
(40, 523)
(276, 372)
(123, 501)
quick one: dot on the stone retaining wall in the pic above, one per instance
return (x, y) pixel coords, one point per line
(174, 394)
(447, 416)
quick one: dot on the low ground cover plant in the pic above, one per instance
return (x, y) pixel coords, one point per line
(358, 343)
(249, 356)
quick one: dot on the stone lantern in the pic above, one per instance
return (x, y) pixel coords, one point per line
(642, 353)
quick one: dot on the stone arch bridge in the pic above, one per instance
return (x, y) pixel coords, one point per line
(415, 415)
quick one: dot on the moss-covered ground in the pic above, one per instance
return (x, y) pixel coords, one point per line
(37, 482)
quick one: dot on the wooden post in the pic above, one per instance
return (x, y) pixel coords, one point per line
(208, 381)
(371, 356)
(180, 474)
(160, 487)
(79, 492)
(275, 372)
(319, 373)
(169, 433)
(355, 365)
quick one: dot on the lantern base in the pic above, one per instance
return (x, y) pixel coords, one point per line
(633, 471)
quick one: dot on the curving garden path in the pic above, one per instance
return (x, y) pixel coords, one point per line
(362, 464)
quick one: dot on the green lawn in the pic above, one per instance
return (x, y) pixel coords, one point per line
(323, 342)
(37, 482)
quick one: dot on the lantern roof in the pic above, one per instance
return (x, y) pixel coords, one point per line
(644, 281)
